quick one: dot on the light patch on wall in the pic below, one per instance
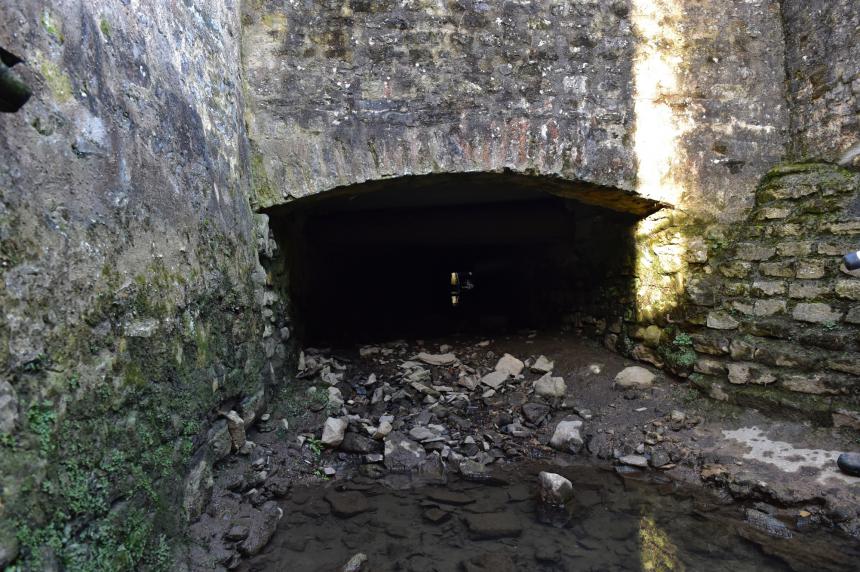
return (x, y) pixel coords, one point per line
(658, 131)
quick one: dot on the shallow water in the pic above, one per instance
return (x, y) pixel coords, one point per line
(641, 521)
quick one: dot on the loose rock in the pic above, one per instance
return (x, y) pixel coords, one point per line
(554, 489)
(542, 365)
(510, 365)
(634, 377)
(334, 431)
(567, 437)
(548, 386)
(495, 379)
(849, 463)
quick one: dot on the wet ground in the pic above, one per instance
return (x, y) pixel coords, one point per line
(638, 521)
(408, 424)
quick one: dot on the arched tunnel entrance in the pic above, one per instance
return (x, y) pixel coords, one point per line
(432, 255)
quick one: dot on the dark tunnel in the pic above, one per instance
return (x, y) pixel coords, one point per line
(435, 255)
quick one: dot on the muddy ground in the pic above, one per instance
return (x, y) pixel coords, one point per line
(446, 425)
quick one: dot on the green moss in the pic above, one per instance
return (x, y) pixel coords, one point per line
(58, 82)
(104, 26)
(262, 191)
(51, 26)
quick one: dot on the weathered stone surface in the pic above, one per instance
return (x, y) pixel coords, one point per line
(719, 320)
(510, 365)
(334, 431)
(495, 379)
(262, 528)
(493, 525)
(437, 359)
(347, 504)
(236, 427)
(402, 454)
(542, 365)
(554, 489)
(742, 373)
(634, 377)
(549, 386)
(198, 489)
(567, 437)
(8, 407)
(816, 313)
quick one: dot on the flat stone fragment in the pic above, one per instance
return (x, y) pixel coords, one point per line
(401, 453)
(634, 377)
(437, 359)
(548, 386)
(635, 461)
(436, 515)
(356, 563)
(510, 365)
(494, 379)
(493, 525)
(542, 365)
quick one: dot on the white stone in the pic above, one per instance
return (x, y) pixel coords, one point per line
(549, 386)
(542, 365)
(635, 461)
(566, 437)
(384, 429)
(335, 397)
(510, 365)
(333, 431)
(635, 377)
(494, 379)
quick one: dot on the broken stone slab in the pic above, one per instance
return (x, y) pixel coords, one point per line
(437, 359)
(634, 377)
(335, 397)
(542, 365)
(334, 431)
(509, 365)
(401, 453)
(634, 461)
(236, 427)
(470, 382)
(567, 437)
(355, 443)
(555, 490)
(548, 386)
(423, 434)
(495, 379)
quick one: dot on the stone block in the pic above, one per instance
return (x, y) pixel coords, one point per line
(853, 315)
(768, 287)
(745, 373)
(774, 213)
(815, 313)
(794, 248)
(810, 269)
(777, 269)
(843, 228)
(721, 320)
(741, 349)
(812, 383)
(754, 252)
(709, 366)
(735, 269)
(807, 290)
(710, 343)
(769, 307)
(849, 289)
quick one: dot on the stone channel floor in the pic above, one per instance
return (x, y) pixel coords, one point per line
(411, 414)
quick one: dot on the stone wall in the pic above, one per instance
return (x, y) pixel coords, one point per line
(768, 316)
(344, 92)
(823, 71)
(132, 290)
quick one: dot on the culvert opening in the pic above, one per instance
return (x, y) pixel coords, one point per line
(437, 255)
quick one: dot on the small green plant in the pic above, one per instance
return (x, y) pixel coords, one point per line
(7, 441)
(315, 445)
(679, 354)
(41, 418)
(829, 326)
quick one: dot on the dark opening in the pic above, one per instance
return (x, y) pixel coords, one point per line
(13, 92)
(434, 255)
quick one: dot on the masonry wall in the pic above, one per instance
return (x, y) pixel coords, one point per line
(344, 92)
(823, 71)
(132, 299)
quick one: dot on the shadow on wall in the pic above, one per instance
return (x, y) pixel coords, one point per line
(14, 93)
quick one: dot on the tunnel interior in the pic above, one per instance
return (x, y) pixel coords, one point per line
(429, 256)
